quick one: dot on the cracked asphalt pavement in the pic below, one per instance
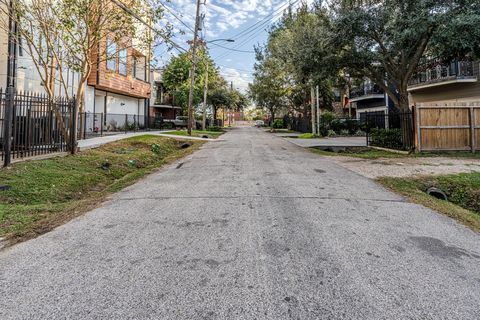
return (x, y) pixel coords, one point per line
(251, 227)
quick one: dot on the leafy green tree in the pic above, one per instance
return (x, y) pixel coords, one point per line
(176, 77)
(269, 89)
(385, 40)
(219, 98)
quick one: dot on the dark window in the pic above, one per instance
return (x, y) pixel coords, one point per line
(134, 67)
(20, 47)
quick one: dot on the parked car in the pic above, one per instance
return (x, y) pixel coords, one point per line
(179, 122)
(259, 123)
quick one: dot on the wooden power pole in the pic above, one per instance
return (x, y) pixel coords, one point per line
(205, 91)
(193, 68)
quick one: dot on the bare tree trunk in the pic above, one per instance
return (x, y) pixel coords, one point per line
(80, 109)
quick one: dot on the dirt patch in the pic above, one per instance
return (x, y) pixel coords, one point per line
(406, 167)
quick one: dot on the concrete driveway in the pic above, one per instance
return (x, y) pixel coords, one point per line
(340, 142)
(251, 227)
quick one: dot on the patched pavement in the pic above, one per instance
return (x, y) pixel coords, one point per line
(250, 227)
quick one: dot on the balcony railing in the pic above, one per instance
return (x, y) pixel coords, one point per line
(165, 101)
(436, 71)
(366, 90)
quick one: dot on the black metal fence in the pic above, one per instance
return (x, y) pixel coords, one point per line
(99, 124)
(394, 130)
(300, 124)
(33, 124)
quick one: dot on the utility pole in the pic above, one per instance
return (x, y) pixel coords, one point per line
(312, 104)
(230, 112)
(193, 68)
(205, 90)
(318, 111)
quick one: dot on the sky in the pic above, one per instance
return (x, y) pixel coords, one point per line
(245, 21)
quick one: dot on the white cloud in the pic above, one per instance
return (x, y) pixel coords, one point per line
(240, 80)
(220, 15)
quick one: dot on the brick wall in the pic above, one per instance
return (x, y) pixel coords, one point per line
(112, 81)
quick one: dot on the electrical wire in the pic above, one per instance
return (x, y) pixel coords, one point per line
(231, 49)
(122, 6)
(257, 28)
(176, 17)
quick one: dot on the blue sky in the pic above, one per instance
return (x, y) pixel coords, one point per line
(245, 21)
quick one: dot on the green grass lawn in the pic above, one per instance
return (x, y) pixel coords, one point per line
(46, 193)
(197, 133)
(370, 153)
(463, 191)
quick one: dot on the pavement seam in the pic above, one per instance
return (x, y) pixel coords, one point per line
(261, 196)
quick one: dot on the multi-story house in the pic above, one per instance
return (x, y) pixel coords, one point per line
(369, 98)
(119, 83)
(118, 87)
(446, 82)
(161, 103)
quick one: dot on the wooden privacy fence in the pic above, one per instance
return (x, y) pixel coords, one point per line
(454, 127)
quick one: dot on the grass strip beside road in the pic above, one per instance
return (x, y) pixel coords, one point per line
(197, 133)
(44, 194)
(462, 190)
(373, 154)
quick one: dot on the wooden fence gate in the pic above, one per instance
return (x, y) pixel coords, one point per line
(448, 128)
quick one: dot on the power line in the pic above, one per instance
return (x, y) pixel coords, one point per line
(176, 17)
(122, 6)
(231, 49)
(256, 28)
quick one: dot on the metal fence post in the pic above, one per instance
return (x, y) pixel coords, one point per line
(84, 125)
(73, 128)
(134, 123)
(101, 124)
(126, 123)
(8, 122)
(472, 130)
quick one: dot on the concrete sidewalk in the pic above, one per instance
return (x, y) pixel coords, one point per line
(99, 141)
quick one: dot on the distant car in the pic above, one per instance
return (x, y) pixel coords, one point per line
(259, 123)
(179, 122)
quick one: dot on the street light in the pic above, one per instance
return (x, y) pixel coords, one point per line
(216, 40)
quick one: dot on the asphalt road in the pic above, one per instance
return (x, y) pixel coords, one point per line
(252, 227)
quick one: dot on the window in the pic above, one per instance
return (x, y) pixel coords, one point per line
(20, 47)
(134, 68)
(122, 62)
(111, 55)
(140, 70)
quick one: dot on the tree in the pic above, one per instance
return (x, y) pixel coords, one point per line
(219, 98)
(72, 34)
(177, 74)
(385, 40)
(269, 89)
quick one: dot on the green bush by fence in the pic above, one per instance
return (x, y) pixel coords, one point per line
(386, 138)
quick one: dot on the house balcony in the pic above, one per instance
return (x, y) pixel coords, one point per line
(366, 92)
(436, 73)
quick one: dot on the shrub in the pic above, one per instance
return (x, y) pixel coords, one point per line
(387, 138)
(352, 125)
(360, 133)
(278, 124)
(327, 118)
(344, 132)
(215, 129)
(331, 134)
